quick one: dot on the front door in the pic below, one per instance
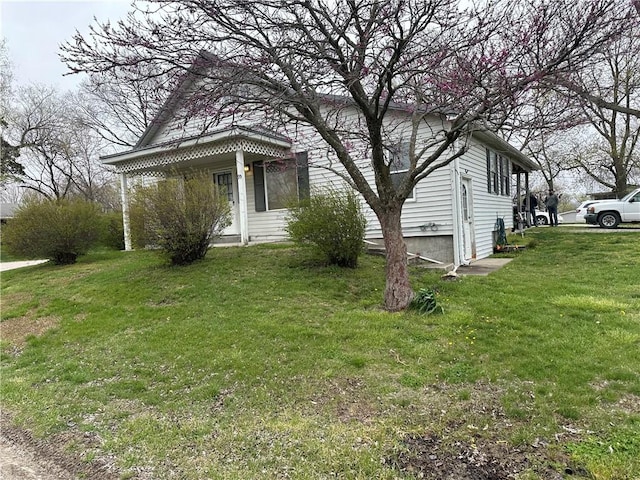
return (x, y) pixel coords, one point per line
(226, 181)
(468, 234)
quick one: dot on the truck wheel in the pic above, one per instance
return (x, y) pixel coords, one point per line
(540, 220)
(609, 220)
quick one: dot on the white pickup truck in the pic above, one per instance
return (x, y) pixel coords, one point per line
(610, 213)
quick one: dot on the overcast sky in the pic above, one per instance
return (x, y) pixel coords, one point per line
(34, 31)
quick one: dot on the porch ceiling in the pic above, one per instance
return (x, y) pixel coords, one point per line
(195, 152)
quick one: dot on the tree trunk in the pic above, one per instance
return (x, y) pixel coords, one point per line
(398, 292)
(621, 178)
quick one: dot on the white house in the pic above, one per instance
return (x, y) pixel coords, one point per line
(451, 216)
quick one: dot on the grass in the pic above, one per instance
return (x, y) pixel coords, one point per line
(255, 363)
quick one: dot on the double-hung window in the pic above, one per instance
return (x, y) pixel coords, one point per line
(498, 174)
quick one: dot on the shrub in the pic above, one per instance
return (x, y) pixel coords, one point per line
(59, 230)
(138, 222)
(182, 216)
(113, 231)
(331, 221)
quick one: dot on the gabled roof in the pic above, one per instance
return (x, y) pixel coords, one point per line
(168, 109)
(500, 145)
(202, 61)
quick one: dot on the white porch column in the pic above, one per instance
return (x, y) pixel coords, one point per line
(126, 223)
(242, 198)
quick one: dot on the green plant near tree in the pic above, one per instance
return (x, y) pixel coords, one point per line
(425, 302)
(60, 230)
(181, 216)
(332, 223)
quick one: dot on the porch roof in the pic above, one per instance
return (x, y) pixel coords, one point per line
(502, 146)
(200, 149)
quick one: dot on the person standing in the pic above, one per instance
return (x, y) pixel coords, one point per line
(551, 203)
(533, 203)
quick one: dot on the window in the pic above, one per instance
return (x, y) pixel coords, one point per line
(280, 183)
(276, 182)
(498, 174)
(465, 204)
(492, 172)
(505, 183)
(399, 165)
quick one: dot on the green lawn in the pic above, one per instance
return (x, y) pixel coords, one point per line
(256, 363)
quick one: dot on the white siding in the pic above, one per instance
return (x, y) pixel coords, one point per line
(433, 197)
(487, 207)
(177, 127)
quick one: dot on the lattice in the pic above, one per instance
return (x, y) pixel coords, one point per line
(177, 155)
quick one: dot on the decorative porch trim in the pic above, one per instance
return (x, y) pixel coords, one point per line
(156, 162)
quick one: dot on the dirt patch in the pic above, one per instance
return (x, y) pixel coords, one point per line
(429, 457)
(17, 330)
(25, 457)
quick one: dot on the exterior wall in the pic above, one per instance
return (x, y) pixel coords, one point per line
(263, 226)
(427, 219)
(434, 247)
(432, 202)
(487, 207)
(177, 128)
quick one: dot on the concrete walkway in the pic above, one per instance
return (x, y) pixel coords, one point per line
(13, 265)
(483, 266)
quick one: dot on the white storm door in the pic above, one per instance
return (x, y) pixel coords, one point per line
(226, 180)
(468, 235)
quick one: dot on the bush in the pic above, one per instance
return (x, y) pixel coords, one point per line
(331, 221)
(181, 216)
(138, 222)
(59, 230)
(113, 231)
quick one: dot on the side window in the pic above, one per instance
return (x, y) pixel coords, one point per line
(399, 165)
(492, 172)
(505, 184)
(498, 174)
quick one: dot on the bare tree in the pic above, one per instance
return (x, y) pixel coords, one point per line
(468, 66)
(10, 167)
(59, 152)
(119, 108)
(540, 127)
(618, 80)
(585, 122)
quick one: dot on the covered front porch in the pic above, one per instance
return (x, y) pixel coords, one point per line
(230, 155)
